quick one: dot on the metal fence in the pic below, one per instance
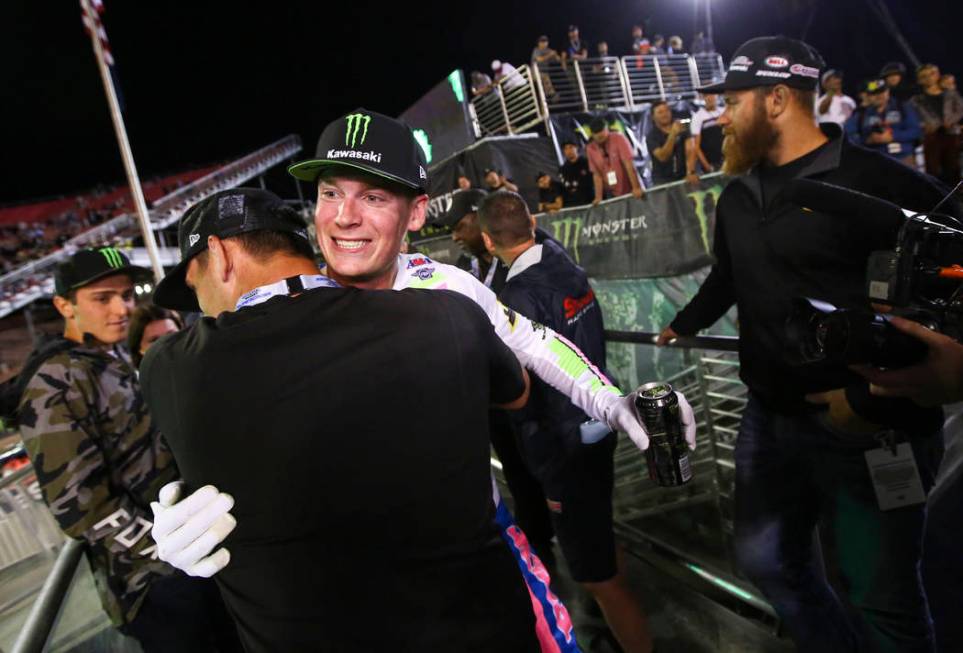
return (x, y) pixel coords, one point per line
(669, 76)
(510, 106)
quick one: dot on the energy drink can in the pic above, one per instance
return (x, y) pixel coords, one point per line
(668, 453)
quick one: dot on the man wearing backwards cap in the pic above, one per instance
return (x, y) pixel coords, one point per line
(807, 441)
(373, 527)
(100, 460)
(364, 209)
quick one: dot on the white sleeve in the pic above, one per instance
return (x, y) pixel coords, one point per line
(549, 356)
(696, 127)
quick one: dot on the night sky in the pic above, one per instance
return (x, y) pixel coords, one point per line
(206, 81)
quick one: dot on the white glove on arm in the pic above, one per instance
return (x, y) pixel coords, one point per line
(621, 415)
(187, 531)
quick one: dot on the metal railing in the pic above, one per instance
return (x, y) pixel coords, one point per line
(34, 280)
(669, 76)
(588, 85)
(510, 106)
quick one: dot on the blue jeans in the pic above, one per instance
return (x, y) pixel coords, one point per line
(794, 472)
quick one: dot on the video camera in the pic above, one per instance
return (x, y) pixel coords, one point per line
(921, 280)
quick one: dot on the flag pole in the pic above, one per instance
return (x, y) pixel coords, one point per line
(128, 158)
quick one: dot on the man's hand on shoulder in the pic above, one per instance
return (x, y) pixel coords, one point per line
(186, 531)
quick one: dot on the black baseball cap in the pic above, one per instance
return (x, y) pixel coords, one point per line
(598, 124)
(771, 60)
(875, 86)
(540, 174)
(224, 214)
(88, 265)
(893, 68)
(463, 202)
(495, 170)
(372, 142)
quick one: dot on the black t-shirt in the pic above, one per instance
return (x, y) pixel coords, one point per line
(773, 179)
(934, 103)
(665, 171)
(351, 427)
(552, 193)
(577, 180)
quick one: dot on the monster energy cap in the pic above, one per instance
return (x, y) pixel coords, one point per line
(89, 265)
(224, 214)
(372, 142)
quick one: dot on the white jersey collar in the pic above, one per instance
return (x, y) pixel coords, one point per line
(531, 256)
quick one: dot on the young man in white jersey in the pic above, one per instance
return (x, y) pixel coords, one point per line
(372, 185)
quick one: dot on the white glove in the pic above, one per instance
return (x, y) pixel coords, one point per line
(187, 531)
(623, 416)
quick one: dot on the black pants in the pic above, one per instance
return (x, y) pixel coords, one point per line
(531, 509)
(186, 615)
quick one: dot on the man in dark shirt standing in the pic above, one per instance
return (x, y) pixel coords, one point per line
(808, 441)
(549, 193)
(373, 527)
(666, 142)
(576, 177)
(572, 460)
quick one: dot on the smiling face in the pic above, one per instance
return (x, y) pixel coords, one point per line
(101, 309)
(361, 221)
(749, 136)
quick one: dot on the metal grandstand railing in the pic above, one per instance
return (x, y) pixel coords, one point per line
(523, 99)
(510, 106)
(34, 280)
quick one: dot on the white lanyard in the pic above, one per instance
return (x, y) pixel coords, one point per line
(289, 286)
(476, 271)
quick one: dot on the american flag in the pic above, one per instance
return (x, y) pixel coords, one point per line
(92, 24)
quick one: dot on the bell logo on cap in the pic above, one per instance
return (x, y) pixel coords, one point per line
(192, 239)
(357, 122)
(777, 62)
(113, 257)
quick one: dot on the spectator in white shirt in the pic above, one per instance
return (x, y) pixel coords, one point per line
(705, 148)
(833, 105)
(508, 72)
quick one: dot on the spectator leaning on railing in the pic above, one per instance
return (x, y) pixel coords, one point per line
(610, 159)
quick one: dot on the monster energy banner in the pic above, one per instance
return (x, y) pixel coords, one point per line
(666, 233)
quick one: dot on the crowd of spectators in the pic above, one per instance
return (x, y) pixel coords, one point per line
(898, 113)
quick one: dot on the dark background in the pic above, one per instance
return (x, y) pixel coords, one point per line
(205, 81)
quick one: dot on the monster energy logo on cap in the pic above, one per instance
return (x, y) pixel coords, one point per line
(114, 259)
(356, 122)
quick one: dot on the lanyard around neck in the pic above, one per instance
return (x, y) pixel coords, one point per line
(289, 286)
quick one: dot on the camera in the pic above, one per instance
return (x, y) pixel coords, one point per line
(922, 280)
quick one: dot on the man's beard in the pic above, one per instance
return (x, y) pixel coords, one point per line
(750, 146)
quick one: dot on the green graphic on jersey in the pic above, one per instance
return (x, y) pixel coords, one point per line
(113, 257)
(356, 122)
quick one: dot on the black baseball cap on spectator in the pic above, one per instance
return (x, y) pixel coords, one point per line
(569, 141)
(875, 86)
(542, 38)
(495, 170)
(462, 203)
(540, 174)
(598, 124)
(771, 60)
(88, 265)
(372, 142)
(224, 214)
(893, 68)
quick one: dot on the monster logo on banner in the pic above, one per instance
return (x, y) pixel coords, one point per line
(665, 234)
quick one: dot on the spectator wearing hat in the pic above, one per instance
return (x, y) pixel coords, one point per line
(610, 159)
(577, 49)
(675, 45)
(666, 141)
(894, 73)
(887, 125)
(940, 112)
(496, 181)
(506, 71)
(480, 83)
(640, 44)
(100, 460)
(658, 45)
(702, 45)
(550, 193)
(576, 176)
(833, 105)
